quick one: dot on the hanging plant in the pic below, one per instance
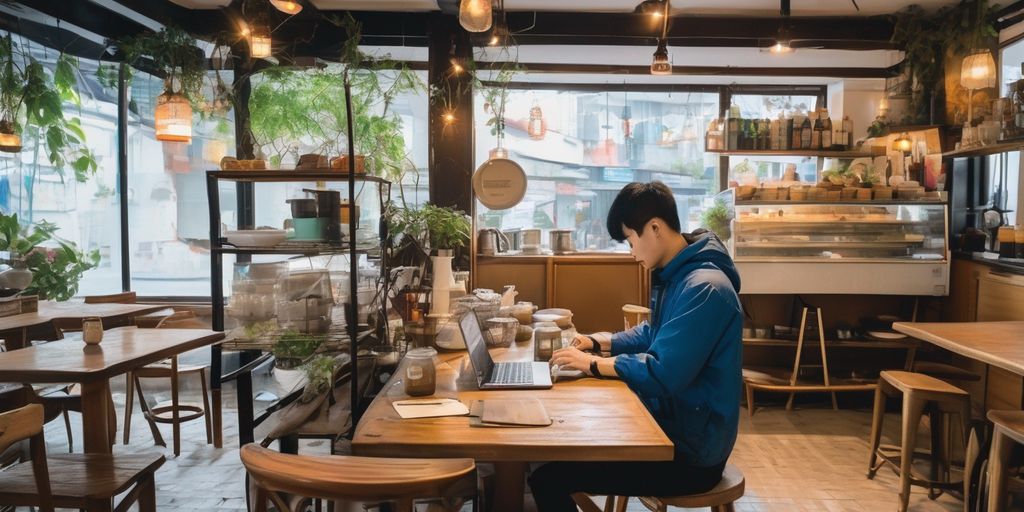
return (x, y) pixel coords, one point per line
(32, 102)
(173, 51)
(926, 39)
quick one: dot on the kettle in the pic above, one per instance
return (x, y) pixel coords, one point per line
(490, 241)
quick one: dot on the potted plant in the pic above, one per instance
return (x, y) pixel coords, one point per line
(292, 348)
(716, 219)
(57, 265)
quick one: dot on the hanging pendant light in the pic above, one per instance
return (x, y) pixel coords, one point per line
(173, 117)
(978, 71)
(475, 15)
(537, 127)
(260, 42)
(781, 46)
(10, 142)
(902, 143)
(661, 65)
(287, 6)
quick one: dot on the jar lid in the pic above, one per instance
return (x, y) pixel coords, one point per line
(421, 353)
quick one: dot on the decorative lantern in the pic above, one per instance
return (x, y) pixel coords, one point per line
(902, 143)
(475, 15)
(287, 6)
(260, 43)
(978, 71)
(10, 142)
(537, 127)
(661, 65)
(173, 118)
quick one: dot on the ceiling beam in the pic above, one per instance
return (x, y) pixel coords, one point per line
(814, 72)
(89, 16)
(202, 24)
(58, 38)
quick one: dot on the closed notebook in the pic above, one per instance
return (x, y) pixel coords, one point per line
(429, 408)
(526, 412)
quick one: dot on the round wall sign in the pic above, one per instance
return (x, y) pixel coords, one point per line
(499, 183)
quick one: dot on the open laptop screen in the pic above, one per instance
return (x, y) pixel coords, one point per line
(481, 359)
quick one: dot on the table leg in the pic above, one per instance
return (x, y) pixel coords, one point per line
(215, 396)
(94, 416)
(245, 409)
(509, 486)
(175, 407)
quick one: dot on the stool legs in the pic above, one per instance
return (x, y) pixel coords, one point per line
(129, 404)
(913, 408)
(876, 430)
(997, 461)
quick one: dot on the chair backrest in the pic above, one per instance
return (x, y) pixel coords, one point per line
(27, 423)
(337, 477)
(182, 320)
(116, 298)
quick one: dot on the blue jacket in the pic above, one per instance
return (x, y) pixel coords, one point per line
(685, 365)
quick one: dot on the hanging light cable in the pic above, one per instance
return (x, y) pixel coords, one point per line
(782, 40)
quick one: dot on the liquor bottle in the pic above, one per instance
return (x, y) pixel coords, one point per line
(815, 142)
(796, 135)
(848, 130)
(766, 134)
(732, 130)
(774, 133)
(826, 131)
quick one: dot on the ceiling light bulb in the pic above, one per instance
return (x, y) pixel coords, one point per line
(781, 46)
(499, 34)
(655, 8)
(660, 65)
(475, 15)
(287, 6)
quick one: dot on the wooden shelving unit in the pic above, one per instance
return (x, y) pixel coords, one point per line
(794, 152)
(991, 149)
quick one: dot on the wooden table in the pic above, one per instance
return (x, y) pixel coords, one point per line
(123, 349)
(594, 420)
(14, 329)
(1000, 344)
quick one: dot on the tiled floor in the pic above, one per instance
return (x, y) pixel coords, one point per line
(807, 460)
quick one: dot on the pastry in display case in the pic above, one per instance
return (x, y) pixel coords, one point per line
(842, 247)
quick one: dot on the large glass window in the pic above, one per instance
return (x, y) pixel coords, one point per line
(83, 204)
(584, 146)
(168, 216)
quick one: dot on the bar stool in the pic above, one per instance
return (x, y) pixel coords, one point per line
(921, 394)
(719, 499)
(638, 315)
(1008, 428)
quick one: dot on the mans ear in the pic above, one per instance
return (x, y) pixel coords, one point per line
(656, 228)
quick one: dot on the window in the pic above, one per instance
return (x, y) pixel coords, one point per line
(168, 214)
(585, 145)
(35, 189)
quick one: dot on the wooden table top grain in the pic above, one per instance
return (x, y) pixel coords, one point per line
(121, 350)
(593, 420)
(50, 311)
(999, 344)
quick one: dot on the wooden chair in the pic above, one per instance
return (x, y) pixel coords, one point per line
(1008, 429)
(719, 499)
(89, 481)
(344, 478)
(921, 394)
(176, 413)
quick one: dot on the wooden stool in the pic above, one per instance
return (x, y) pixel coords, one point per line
(719, 499)
(337, 477)
(1008, 428)
(633, 315)
(176, 412)
(921, 394)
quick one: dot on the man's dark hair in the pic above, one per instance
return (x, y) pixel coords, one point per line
(638, 203)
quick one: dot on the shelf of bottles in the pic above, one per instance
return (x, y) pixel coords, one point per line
(810, 134)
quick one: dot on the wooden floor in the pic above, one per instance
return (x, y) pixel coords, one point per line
(807, 460)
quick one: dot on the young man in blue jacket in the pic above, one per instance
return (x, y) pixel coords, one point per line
(685, 365)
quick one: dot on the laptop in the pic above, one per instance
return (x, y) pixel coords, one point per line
(491, 375)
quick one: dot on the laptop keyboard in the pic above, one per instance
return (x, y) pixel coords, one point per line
(513, 373)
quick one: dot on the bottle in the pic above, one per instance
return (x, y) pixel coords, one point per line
(796, 129)
(774, 134)
(826, 131)
(732, 130)
(766, 133)
(848, 130)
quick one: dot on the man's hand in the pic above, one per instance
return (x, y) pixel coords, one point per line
(582, 342)
(571, 357)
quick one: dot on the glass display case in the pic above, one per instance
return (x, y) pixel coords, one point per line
(897, 248)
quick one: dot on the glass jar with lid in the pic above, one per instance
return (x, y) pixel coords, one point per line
(420, 375)
(546, 340)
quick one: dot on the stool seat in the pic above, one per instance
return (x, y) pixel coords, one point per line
(908, 382)
(1008, 428)
(728, 490)
(1010, 423)
(945, 371)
